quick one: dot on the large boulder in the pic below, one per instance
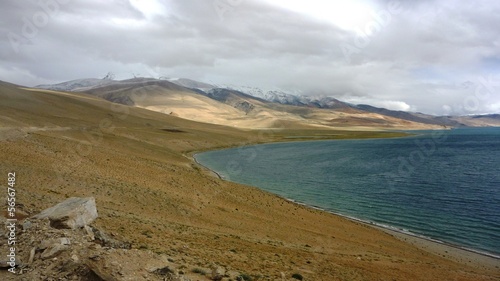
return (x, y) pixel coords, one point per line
(72, 213)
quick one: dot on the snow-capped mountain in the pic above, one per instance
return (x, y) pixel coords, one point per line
(77, 85)
(282, 97)
(189, 83)
(277, 96)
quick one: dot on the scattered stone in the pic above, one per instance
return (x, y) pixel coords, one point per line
(56, 253)
(163, 271)
(116, 264)
(48, 243)
(75, 258)
(72, 213)
(101, 272)
(54, 250)
(175, 277)
(26, 225)
(218, 273)
(89, 232)
(106, 241)
(32, 255)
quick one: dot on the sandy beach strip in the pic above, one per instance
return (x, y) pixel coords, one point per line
(446, 250)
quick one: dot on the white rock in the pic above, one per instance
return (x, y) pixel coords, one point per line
(71, 213)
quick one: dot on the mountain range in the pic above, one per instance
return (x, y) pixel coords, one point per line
(251, 107)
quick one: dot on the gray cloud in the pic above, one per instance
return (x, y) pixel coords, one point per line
(429, 56)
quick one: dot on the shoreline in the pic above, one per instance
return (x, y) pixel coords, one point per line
(435, 246)
(454, 252)
(193, 157)
(391, 229)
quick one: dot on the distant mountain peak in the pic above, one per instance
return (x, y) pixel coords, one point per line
(109, 76)
(77, 85)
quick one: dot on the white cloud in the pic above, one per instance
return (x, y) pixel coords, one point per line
(18, 76)
(494, 107)
(389, 104)
(418, 60)
(149, 8)
(347, 15)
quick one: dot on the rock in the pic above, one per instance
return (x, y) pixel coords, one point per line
(101, 272)
(175, 277)
(47, 243)
(72, 213)
(218, 272)
(75, 258)
(90, 233)
(27, 225)
(54, 250)
(65, 241)
(107, 241)
(53, 247)
(163, 271)
(32, 255)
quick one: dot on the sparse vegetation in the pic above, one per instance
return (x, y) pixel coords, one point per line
(199, 271)
(173, 130)
(244, 277)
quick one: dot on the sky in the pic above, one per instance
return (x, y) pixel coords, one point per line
(437, 57)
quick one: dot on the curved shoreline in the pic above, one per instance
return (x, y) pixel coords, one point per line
(391, 229)
(197, 162)
(429, 244)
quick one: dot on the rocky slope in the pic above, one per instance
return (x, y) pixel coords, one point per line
(52, 247)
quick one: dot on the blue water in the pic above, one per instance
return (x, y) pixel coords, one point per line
(443, 185)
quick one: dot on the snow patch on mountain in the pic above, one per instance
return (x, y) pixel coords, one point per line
(282, 97)
(77, 85)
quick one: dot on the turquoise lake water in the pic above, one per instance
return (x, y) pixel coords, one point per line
(443, 185)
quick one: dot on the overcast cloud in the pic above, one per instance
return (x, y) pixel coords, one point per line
(438, 57)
